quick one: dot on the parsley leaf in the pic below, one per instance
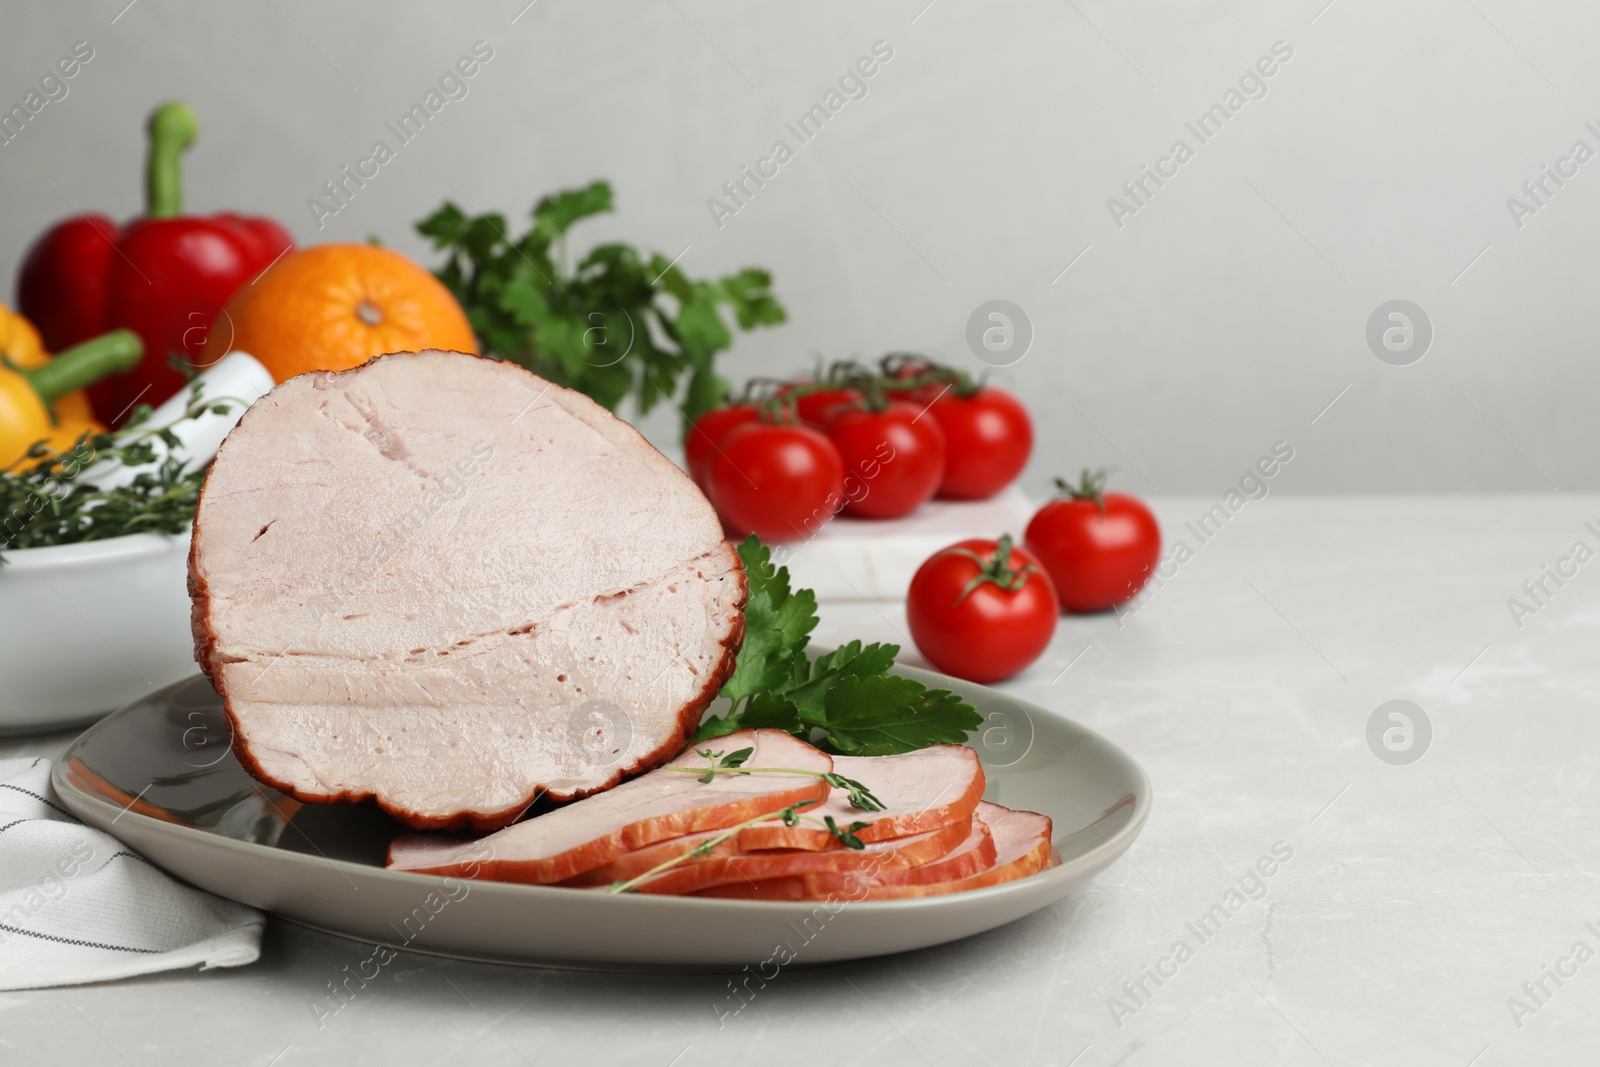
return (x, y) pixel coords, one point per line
(845, 701)
(617, 325)
(887, 714)
(777, 626)
(853, 660)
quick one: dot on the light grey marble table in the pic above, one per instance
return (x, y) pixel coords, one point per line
(1417, 900)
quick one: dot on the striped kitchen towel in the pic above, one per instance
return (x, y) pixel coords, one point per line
(77, 906)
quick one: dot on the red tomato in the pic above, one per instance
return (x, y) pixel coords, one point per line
(981, 610)
(894, 459)
(700, 443)
(988, 438)
(780, 482)
(816, 408)
(904, 372)
(1098, 547)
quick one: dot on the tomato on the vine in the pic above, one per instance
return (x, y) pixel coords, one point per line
(895, 454)
(981, 610)
(907, 377)
(818, 406)
(1098, 547)
(988, 437)
(779, 481)
(814, 402)
(700, 443)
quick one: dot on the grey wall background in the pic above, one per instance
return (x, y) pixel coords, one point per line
(1224, 316)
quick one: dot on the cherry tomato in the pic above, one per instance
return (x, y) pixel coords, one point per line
(781, 482)
(1099, 548)
(700, 443)
(988, 437)
(981, 610)
(921, 395)
(817, 407)
(894, 458)
(904, 371)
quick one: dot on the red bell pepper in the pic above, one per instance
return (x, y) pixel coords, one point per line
(164, 276)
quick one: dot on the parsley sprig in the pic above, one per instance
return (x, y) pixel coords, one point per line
(47, 500)
(619, 323)
(845, 702)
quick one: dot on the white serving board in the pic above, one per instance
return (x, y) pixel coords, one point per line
(865, 559)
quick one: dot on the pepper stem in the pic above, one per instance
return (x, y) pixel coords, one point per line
(116, 352)
(172, 128)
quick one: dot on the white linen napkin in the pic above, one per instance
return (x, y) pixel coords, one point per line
(77, 906)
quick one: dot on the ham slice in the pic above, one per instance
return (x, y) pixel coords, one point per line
(932, 789)
(656, 806)
(726, 864)
(1021, 844)
(922, 790)
(975, 854)
(447, 584)
(1021, 847)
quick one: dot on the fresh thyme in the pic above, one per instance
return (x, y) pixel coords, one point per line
(846, 834)
(859, 795)
(846, 702)
(45, 502)
(790, 816)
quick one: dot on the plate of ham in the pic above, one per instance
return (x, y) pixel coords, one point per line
(481, 676)
(970, 838)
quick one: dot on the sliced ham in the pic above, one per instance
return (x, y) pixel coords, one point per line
(1021, 848)
(725, 865)
(1021, 844)
(656, 806)
(931, 789)
(447, 584)
(975, 854)
(922, 790)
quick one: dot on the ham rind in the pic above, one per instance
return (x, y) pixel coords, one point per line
(659, 805)
(747, 867)
(731, 860)
(922, 790)
(444, 583)
(976, 853)
(1021, 843)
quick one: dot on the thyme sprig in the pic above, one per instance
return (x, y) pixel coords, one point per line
(46, 501)
(790, 816)
(859, 795)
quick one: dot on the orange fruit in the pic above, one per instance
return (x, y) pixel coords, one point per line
(333, 307)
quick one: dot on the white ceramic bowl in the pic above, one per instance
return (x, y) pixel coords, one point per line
(87, 628)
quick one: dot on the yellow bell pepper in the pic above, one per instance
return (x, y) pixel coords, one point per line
(21, 345)
(33, 386)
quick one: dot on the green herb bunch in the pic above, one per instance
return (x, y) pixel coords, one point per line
(846, 701)
(44, 502)
(618, 324)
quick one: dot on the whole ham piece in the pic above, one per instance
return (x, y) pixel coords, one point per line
(444, 583)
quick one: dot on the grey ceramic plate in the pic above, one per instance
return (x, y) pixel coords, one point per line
(160, 775)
